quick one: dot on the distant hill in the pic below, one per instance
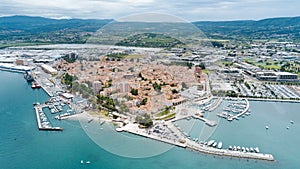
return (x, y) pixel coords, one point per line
(39, 29)
(151, 40)
(285, 28)
(24, 29)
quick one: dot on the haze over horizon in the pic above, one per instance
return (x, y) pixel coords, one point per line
(190, 10)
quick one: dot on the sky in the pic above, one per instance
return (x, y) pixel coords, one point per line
(190, 10)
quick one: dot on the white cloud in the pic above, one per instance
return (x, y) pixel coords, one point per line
(189, 9)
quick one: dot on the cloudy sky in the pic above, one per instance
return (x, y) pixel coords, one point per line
(191, 10)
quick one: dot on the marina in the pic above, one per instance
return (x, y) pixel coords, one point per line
(42, 121)
(238, 108)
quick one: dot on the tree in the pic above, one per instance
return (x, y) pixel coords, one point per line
(68, 79)
(202, 66)
(134, 92)
(144, 101)
(189, 65)
(144, 120)
(247, 85)
(174, 91)
(156, 87)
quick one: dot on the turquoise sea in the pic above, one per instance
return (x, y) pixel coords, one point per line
(22, 145)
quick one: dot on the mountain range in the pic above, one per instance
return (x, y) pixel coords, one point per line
(28, 29)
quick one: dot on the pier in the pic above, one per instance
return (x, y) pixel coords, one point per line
(215, 104)
(41, 126)
(240, 114)
(222, 152)
(208, 122)
(192, 145)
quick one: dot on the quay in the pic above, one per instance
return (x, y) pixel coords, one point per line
(274, 100)
(192, 145)
(134, 129)
(44, 88)
(230, 153)
(38, 110)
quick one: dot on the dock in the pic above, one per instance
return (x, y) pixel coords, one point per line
(240, 114)
(38, 110)
(207, 122)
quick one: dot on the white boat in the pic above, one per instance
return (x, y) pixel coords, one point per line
(230, 148)
(243, 149)
(238, 148)
(81, 161)
(234, 148)
(247, 149)
(220, 144)
(251, 149)
(256, 149)
(287, 127)
(88, 162)
(267, 127)
(215, 144)
(292, 122)
(211, 142)
(52, 110)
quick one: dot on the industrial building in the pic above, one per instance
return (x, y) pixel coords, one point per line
(277, 76)
(48, 69)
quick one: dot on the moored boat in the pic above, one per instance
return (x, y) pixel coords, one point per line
(35, 85)
(256, 149)
(220, 144)
(215, 144)
(211, 142)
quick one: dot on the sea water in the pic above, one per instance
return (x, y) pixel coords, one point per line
(22, 145)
